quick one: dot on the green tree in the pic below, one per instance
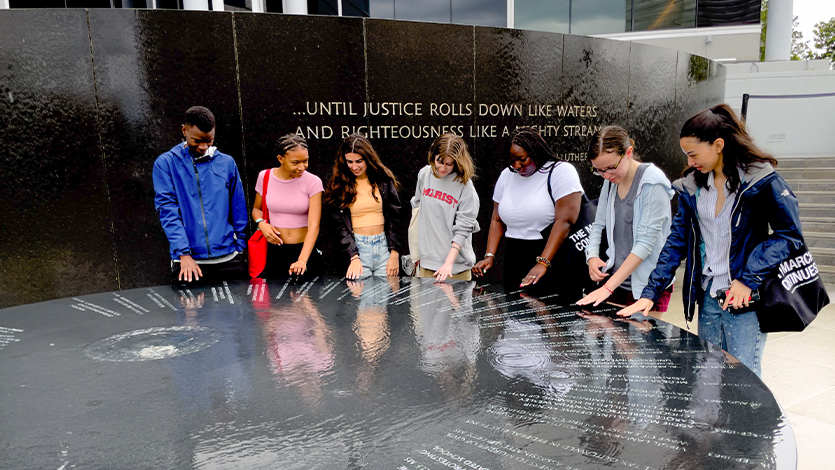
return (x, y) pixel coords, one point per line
(824, 40)
(800, 48)
(764, 25)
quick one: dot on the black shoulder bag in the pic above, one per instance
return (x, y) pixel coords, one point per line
(571, 257)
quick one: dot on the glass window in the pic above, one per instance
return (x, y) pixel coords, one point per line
(598, 16)
(236, 5)
(133, 3)
(37, 4)
(542, 15)
(426, 10)
(381, 9)
(480, 12)
(725, 12)
(355, 8)
(88, 4)
(663, 14)
(322, 7)
(274, 6)
(169, 4)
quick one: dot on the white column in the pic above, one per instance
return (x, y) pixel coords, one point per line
(217, 5)
(4, 4)
(259, 6)
(196, 5)
(778, 37)
(295, 7)
(511, 13)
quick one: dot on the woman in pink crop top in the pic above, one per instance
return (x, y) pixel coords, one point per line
(294, 204)
(362, 197)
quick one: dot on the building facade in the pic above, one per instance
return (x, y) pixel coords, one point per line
(724, 30)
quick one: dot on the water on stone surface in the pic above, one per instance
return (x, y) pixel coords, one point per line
(378, 374)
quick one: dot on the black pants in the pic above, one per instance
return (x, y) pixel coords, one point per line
(520, 258)
(280, 257)
(234, 269)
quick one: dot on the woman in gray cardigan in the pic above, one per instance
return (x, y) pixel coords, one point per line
(634, 208)
(448, 209)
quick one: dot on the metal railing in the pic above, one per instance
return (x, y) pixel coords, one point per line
(746, 97)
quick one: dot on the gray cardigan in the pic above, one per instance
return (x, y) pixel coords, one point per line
(651, 219)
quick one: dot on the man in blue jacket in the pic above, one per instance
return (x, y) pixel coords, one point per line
(200, 202)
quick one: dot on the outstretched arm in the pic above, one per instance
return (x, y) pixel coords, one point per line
(314, 218)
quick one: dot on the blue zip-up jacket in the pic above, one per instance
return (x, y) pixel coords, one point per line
(763, 200)
(200, 203)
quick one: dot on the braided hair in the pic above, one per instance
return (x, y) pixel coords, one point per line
(532, 142)
(289, 142)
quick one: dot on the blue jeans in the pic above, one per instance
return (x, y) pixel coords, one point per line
(374, 254)
(737, 333)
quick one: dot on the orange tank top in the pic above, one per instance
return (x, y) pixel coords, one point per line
(366, 211)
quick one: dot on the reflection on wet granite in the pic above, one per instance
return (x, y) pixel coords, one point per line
(383, 373)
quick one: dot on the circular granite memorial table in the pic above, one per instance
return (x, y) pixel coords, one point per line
(382, 374)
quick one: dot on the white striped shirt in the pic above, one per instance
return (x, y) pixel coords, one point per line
(716, 236)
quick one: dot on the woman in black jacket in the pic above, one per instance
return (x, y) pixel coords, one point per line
(362, 196)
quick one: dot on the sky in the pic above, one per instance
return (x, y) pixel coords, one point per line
(810, 12)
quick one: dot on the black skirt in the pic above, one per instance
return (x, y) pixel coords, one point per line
(280, 257)
(520, 258)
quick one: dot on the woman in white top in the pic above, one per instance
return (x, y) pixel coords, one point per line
(534, 220)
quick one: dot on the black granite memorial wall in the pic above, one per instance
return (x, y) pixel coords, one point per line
(91, 98)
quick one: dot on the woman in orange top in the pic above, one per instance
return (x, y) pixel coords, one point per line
(362, 196)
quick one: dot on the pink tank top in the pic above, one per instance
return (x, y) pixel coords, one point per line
(289, 200)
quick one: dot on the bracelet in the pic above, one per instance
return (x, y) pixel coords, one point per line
(302, 262)
(489, 255)
(607, 288)
(543, 261)
(258, 221)
(355, 257)
(456, 247)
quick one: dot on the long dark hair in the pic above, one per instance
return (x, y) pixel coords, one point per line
(720, 122)
(529, 139)
(342, 187)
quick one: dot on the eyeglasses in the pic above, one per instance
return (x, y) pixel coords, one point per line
(607, 171)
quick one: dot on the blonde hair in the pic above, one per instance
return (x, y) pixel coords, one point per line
(452, 146)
